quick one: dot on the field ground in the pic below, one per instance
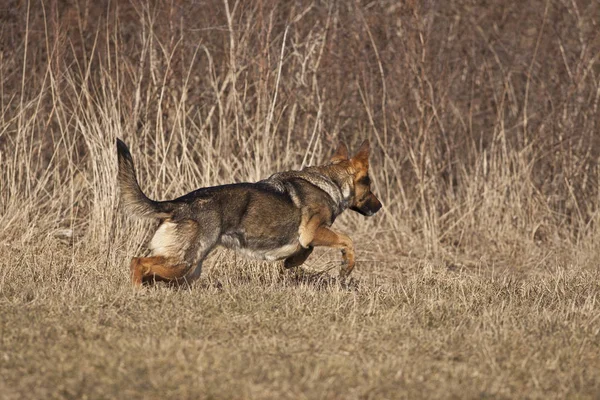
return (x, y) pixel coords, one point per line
(72, 327)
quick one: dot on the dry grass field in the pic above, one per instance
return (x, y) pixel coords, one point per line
(479, 278)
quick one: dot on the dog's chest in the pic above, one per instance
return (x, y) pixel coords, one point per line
(267, 253)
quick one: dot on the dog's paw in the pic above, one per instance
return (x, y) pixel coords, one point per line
(344, 272)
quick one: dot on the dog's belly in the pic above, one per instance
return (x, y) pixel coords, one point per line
(267, 253)
(279, 253)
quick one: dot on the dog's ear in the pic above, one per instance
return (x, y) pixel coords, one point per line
(362, 155)
(341, 154)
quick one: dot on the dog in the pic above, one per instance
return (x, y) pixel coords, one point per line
(282, 217)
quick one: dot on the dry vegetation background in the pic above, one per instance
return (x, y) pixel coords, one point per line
(479, 278)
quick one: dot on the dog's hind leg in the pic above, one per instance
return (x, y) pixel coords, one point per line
(171, 245)
(192, 275)
(202, 246)
(144, 269)
(176, 246)
(136, 271)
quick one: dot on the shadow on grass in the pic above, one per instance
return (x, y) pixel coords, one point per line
(295, 277)
(320, 280)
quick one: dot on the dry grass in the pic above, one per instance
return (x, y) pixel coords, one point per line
(479, 278)
(246, 331)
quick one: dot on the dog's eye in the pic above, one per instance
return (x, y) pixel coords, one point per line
(365, 180)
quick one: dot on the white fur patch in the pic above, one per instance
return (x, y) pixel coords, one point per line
(282, 252)
(166, 243)
(270, 255)
(346, 192)
(279, 253)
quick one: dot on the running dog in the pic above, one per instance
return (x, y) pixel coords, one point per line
(282, 217)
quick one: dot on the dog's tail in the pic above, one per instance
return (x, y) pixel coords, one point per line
(132, 196)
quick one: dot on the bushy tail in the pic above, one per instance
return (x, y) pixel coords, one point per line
(133, 198)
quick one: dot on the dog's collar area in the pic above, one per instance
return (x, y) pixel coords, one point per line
(333, 190)
(346, 196)
(341, 198)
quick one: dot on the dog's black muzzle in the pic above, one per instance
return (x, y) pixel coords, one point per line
(369, 207)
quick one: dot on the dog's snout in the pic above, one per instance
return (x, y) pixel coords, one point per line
(374, 204)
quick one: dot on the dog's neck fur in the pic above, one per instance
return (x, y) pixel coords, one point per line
(340, 191)
(323, 177)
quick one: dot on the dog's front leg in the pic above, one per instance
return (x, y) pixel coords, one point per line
(297, 258)
(326, 237)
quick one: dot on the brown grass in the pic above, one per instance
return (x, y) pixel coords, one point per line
(479, 278)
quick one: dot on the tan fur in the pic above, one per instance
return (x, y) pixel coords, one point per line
(157, 266)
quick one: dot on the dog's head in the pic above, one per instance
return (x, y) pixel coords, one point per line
(362, 199)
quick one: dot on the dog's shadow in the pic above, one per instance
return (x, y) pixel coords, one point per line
(294, 277)
(319, 280)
